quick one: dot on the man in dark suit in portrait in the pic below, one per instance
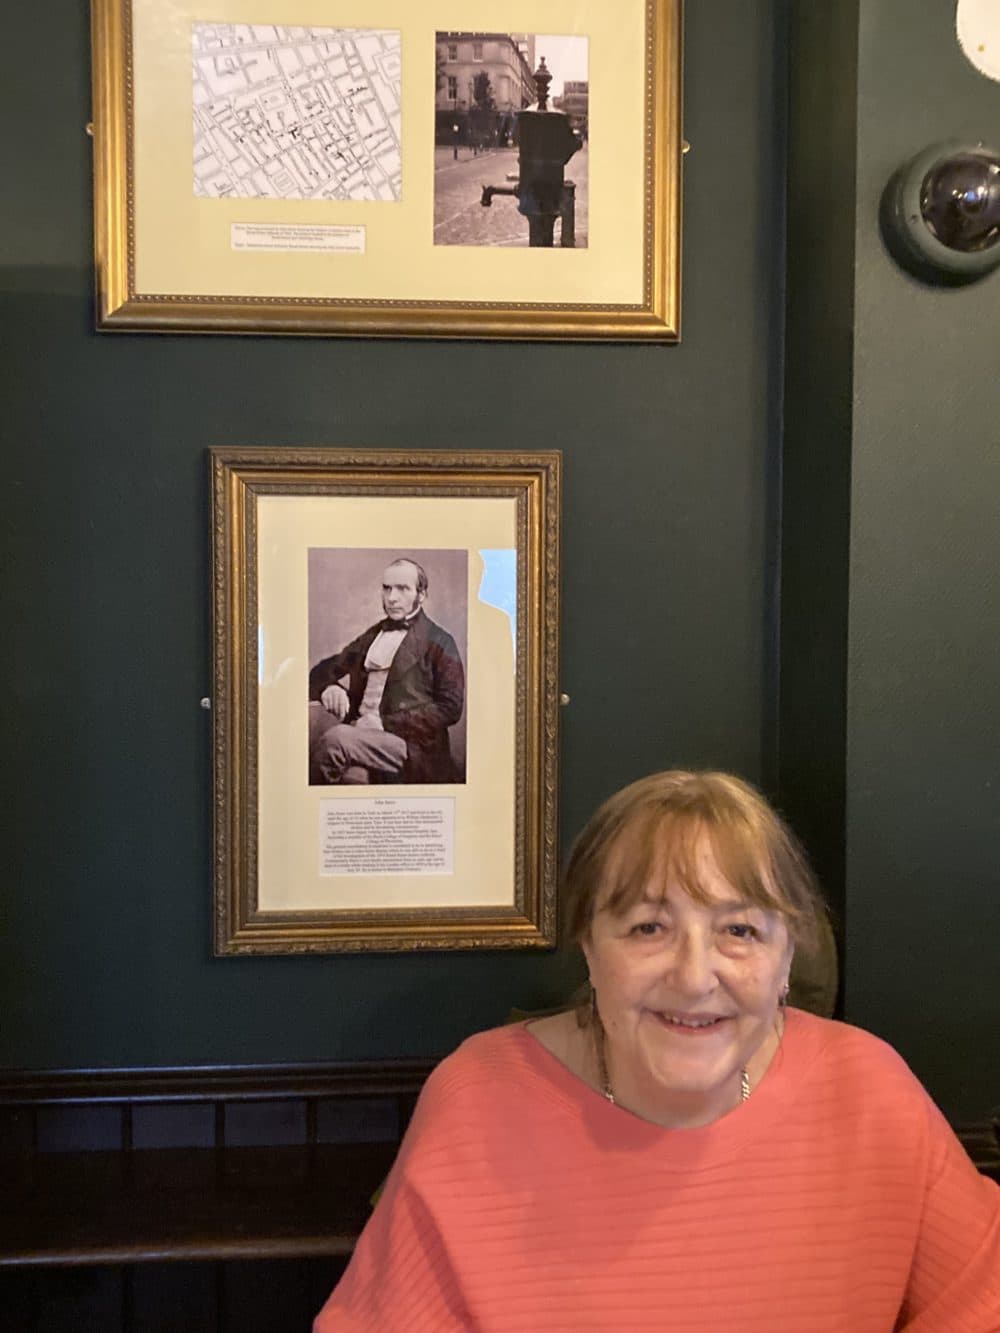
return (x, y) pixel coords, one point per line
(380, 709)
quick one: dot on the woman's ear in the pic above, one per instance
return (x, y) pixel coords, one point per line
(789, 958)
(786, 979)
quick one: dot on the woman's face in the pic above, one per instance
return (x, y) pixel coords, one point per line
(688, 996)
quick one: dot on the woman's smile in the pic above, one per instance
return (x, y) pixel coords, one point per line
(691, 1025)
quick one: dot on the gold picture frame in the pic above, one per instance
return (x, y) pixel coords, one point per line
(319, 847)
(170, 260)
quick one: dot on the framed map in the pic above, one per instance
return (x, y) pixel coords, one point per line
(385, 629)
(462, 169)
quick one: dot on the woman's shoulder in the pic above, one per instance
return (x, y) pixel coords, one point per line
(504, 1064)
(848, 1061)
(836, 1039)
(481, 1059)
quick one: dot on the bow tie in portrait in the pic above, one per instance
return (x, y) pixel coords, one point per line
(389, 624)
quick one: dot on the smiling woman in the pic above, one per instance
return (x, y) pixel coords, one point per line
(687, 895)
(685, 1152)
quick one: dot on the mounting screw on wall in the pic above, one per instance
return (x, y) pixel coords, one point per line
(940, 213)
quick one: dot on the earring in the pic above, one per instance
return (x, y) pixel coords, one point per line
(783, 997)
(593, 1004)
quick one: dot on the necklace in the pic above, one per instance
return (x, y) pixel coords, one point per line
(605, 1077)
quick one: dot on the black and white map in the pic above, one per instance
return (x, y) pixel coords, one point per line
(296, 113)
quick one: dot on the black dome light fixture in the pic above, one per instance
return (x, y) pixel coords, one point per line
(940, 213)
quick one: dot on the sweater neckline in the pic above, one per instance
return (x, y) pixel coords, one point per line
(613, 1126)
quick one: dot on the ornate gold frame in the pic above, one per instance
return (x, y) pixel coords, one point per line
(530, 485)
(121, 305)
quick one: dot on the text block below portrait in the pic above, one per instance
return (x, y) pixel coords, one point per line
(387, 836)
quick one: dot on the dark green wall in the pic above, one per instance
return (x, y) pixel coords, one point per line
(670, 523)
(923, 674)
(891, 546)
(816, 434)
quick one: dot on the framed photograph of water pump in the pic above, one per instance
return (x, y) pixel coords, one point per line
(385, 634)
(461, 169)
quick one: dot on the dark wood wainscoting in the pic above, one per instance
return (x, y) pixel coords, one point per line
(205, 1199)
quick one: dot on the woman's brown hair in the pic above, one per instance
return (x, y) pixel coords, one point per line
(652, 831)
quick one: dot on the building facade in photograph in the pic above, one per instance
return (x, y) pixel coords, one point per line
(575, 102)
(483, 80)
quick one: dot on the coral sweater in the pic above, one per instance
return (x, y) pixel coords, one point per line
(835, 1199)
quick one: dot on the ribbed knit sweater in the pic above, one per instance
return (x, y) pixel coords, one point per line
(835, 1200)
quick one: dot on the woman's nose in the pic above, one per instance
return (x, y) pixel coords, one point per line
(692, 965)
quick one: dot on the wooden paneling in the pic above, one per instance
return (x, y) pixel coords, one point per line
(138, 1166)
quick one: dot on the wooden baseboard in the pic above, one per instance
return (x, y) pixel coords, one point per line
(982, 1142)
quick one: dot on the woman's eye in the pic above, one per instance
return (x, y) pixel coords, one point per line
(647, 929)
(742, 930)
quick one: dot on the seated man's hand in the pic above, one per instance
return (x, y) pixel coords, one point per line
(336, 700)
(370, 722)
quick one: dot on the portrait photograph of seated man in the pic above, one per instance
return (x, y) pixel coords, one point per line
(387, 646)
